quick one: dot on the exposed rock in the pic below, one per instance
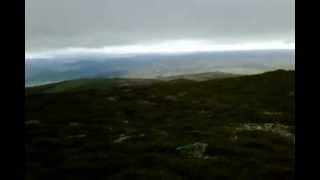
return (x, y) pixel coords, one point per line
(74, 124)
(180, 94)
(112, 99)
(268, 113)
(195, 150)
(127, 90)
(145, 102)
(171, 98)
(218, 158)
(234, 138)
(163, 133)
(77, 136)
(124, 84)
(276, 128)
(203, 111)
(206, 157)
(195, 101)
(121, 138)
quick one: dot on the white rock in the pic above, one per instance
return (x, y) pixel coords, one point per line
(121, 138)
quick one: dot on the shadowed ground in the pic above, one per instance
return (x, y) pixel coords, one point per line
(234, 128)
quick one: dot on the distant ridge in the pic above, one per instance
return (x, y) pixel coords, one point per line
(200, 76)
(106, 83)
(134, 81)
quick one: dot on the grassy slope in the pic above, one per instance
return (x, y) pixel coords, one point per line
(200, 76)
(158, 118)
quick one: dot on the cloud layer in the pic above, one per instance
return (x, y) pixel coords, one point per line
(60, 24)
(170, 47)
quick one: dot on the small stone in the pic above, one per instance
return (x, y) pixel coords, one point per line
(206, 157)
(145, 102)
(74, 124)
(77, 136)
(195, 150)
(234, 138)
(269, 113)
(180, 94)
(121, 138)
(171, 98)
(112, 99)
(275, 128)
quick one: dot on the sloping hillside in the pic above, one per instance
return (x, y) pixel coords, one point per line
(234, 128)
(200, 76)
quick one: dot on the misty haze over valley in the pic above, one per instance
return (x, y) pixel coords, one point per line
(150, 66)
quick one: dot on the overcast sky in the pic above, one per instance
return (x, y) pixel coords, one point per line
(58, 24)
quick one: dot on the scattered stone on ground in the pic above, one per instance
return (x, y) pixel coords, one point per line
(234, 138)
(276, 128)
(159, 132)
(180, 94)
(125, 122)
(218, 158)
(206, 157)
(32, 122)
(112, 99)
(124, 84)
(171, 98)
(195, 150)
(203, 112)
(122, 138)
(195, 101)
(145, 102)
(269, 113)
(74, 124)
(127, 90)
(163, 133)
(77, 136)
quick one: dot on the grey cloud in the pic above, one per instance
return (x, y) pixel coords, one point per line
(94, 23)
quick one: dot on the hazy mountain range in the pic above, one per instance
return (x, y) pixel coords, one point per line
(156, 66)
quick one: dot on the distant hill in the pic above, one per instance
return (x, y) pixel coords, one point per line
(200, 76)
(103, 83)
(87, 84)
(41, 71)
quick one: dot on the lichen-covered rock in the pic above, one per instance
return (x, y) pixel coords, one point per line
(121, 138)
(195, 150)
(275, 128)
